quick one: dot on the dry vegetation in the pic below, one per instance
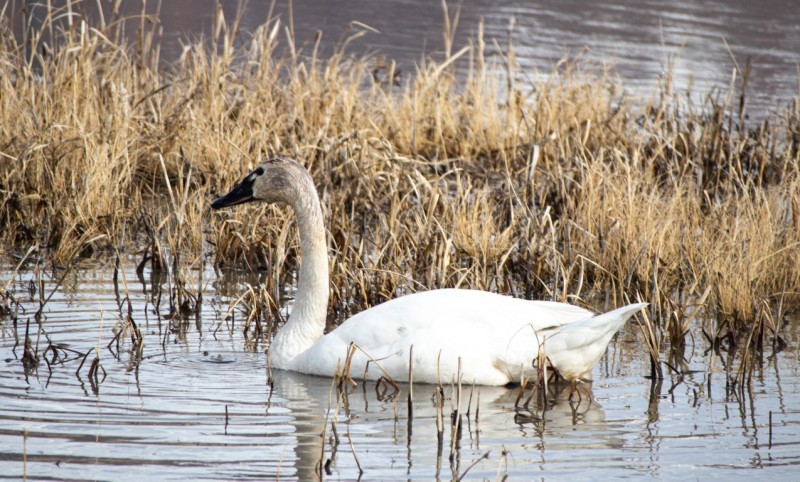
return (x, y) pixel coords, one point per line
(563, 189)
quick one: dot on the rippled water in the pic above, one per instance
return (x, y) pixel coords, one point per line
(701, 42)
(166, 419)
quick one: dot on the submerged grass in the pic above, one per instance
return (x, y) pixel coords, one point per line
(560, 188)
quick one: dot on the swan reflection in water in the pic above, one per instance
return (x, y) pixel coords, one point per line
(334, 431)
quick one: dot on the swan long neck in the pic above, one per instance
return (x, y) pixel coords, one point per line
(306, 324)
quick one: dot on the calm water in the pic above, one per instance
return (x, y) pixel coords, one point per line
(166, 420)
(704, 40)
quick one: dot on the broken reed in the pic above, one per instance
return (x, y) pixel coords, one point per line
(565, 189)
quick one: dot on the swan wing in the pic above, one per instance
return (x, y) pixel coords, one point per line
(496, 337)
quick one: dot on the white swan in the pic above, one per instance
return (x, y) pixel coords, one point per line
(496, 337)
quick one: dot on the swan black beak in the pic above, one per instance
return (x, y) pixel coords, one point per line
(241, 193)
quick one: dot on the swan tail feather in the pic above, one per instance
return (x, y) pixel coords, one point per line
(575, 349)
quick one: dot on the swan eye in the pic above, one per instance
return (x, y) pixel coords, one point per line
(253, 175)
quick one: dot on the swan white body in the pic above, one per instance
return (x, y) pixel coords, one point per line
(497, 338)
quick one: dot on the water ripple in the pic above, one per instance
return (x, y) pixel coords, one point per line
(200, 406)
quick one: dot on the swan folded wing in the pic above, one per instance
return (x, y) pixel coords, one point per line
(436, 354)
(495, 336)
(560, 314)
(453, 309)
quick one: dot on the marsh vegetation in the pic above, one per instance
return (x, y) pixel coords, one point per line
(548, 185)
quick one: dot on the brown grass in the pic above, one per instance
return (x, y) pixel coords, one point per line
(563, 189)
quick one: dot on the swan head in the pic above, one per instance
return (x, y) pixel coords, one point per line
(273, 181)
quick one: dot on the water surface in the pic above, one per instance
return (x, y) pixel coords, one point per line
(703, 43)
(165, 419)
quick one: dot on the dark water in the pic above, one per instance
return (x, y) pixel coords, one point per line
(704, 41)
(166, 419)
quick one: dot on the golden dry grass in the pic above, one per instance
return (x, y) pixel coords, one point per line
(563, 189)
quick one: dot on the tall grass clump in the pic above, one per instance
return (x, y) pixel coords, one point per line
(561, 189)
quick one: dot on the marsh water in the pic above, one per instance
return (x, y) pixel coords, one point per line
(706, 45)
(199, 405)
